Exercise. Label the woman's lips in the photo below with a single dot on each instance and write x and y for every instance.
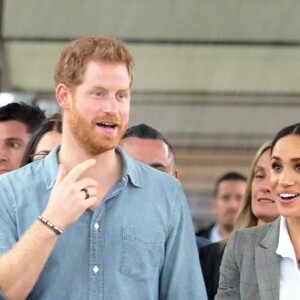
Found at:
(287, 197)
(265, 200)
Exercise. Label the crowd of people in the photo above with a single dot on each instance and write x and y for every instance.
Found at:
(91, 209)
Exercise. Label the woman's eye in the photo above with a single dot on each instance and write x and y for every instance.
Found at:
(259, 175)
(276, 166)
(298, 167)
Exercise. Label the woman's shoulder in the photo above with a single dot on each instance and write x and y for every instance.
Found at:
(254, 235)
(255, 229)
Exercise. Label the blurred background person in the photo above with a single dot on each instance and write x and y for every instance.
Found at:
(149, 146)
(43, 140)
(18, 121)
(228, 193)
(257, 207)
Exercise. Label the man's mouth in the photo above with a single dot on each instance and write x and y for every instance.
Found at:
(106, 125)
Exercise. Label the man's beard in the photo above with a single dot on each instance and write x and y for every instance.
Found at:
(89, 138)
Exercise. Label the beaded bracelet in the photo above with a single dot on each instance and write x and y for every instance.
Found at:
(50, 225)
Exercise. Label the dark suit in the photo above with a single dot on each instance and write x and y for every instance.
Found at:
(201, 242)
(210, 258)
(205, 232)
(250, 267)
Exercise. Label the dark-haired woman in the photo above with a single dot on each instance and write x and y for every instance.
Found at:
(43, 140)
(263, 262)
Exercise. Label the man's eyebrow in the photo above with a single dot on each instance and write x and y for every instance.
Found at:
(14, 139)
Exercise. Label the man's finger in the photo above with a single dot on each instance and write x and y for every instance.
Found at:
(62, 172)
(78, 170)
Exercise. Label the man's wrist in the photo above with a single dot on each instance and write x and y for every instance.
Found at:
(50, 225)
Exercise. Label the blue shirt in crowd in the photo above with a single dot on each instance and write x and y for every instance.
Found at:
(138, 245)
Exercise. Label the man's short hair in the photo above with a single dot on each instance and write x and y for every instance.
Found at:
(226, 177)
(144, 131)
(72, 62)
(31, 116)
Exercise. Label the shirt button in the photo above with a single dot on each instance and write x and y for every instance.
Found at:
(96, 269)
(96, 226)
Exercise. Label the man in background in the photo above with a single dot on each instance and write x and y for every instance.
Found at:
(149, 146)
(18, 121)
(228, 193)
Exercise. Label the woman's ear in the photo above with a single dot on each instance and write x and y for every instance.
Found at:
(63, 96)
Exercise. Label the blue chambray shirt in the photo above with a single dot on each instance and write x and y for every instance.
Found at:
(139, 243)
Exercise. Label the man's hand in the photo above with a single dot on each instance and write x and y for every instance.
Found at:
(67, 200)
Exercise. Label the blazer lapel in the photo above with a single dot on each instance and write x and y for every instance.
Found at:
(267, 264)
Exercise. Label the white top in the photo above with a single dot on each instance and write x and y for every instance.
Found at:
(214, 235)
(289, 272)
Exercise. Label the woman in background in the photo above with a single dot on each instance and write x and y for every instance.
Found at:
(263, 262)
(43, 140)
(257, 207)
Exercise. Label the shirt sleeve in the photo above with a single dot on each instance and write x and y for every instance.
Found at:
(181, 276)
(8, 231)
(229, 284)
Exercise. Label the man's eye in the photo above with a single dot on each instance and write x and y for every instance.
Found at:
(98, 94)
(122, 96)
(226, 198)
(15, 145)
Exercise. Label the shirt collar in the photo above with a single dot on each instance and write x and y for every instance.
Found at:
(215, 234)
(130, 170)
(50, 165)
(285, 247)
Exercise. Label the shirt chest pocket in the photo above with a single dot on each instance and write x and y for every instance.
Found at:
(142, 249)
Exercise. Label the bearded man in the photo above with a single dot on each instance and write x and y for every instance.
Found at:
(88, 221)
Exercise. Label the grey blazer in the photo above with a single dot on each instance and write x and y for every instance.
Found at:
(250, 267)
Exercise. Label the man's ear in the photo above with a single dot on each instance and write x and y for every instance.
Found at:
(63, 96)
(176, 174)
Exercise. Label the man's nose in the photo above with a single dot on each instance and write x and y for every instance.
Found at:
(3, 153)
(110, 105)
(235, 203)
